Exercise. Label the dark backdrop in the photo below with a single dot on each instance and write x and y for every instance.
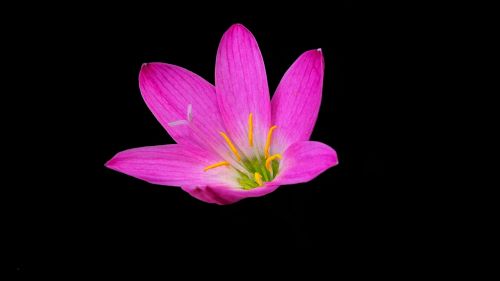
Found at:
(71, 210)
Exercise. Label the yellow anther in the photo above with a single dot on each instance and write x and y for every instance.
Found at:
(270, 159)
(218, 164)
(250, 130)
(268, 141)
(231, 145)
(258, 179)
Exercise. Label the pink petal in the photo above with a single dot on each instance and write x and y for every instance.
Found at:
(296, 103)
(184, 103)
(222, 195)
(305, 160)
(241, 84)
(174, 165)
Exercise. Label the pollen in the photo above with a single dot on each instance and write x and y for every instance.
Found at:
(218, 164)
(258, 178)
(231, 146)
(270, 159)
(268, 141)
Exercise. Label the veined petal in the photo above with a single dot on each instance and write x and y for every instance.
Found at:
(184, 103)
(223, 195)
(296, 103)
(241, 85)
(173, 164)
(305, 160)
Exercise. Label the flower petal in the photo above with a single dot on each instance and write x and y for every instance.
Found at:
(241, 84)
(173, 164)
(305, 160)
(223, 195)
(296, 103)
(184, 103)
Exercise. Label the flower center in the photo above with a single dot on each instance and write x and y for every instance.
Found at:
(257, 169)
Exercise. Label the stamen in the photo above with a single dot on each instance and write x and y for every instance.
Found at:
(258, 179)
(268, 141)
(218, 164)
(231, 146)
(250, 130)
(270, 159)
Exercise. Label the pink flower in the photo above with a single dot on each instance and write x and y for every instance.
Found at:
(233, 142)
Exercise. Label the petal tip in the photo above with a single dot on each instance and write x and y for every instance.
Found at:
(148, 65)
(109, 164)
(113, 163)
(238, 28)
(335, 162)
(149, 69)
(316, 52)
(334, 158)
(237, 25)
(315, 55)
(144, 67)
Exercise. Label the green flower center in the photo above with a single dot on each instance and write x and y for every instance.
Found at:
(257, 165)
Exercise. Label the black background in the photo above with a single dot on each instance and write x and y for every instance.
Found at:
(72, 212)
